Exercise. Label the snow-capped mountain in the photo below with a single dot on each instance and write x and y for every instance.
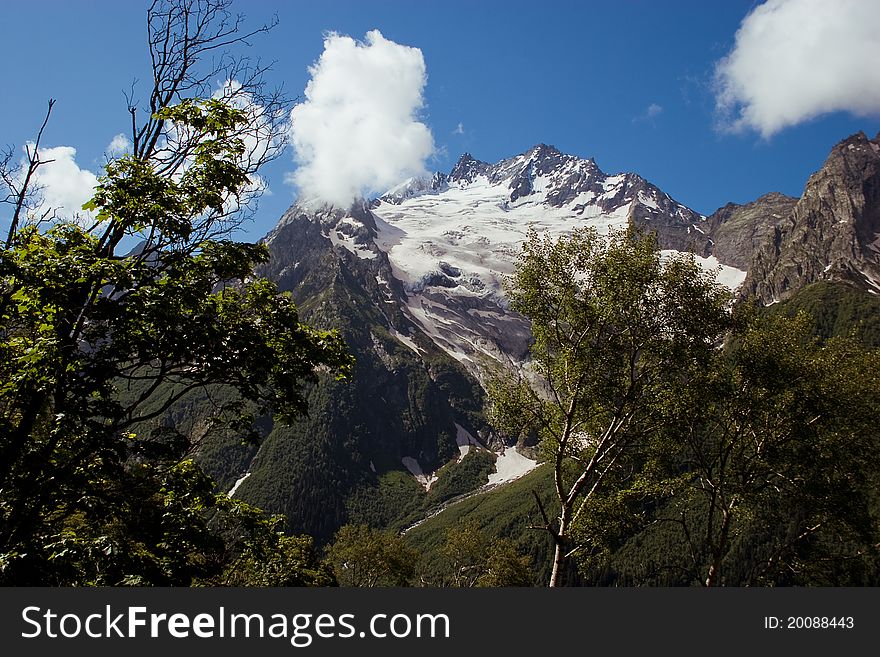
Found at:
(449, 240)
(414, 282)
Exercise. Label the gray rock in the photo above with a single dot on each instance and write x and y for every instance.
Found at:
(832, 232)
(738, 231)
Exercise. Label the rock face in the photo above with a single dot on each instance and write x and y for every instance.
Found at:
(832, 232)
(738, 231)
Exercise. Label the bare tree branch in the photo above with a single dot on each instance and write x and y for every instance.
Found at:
(19, 192)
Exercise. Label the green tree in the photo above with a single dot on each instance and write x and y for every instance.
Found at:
(95, 346)
(781, 442)
(475, 560)
(617, 330)
(265, 556)
(362, 556)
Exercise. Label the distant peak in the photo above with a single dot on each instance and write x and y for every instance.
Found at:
(856, 148)
(317, 205)
(545, 149)
(467, 168)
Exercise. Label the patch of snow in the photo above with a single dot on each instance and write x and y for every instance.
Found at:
(647, 201)
(416, 471)
(341, 239)
(238, 483)
(464, 440)
(729, 277)
(510, 465)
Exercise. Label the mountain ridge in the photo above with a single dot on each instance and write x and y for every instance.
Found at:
(833, 231)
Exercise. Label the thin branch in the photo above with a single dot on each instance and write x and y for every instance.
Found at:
(33, 164)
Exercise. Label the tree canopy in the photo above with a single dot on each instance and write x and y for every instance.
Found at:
(691, 441)
(96, 345)
(616, 329)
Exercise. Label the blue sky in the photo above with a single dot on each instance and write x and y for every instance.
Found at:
(631, 84)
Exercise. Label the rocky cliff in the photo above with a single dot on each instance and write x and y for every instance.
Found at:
(831, 234)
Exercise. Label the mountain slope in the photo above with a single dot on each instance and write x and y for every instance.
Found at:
(832, 233)
(408, 406)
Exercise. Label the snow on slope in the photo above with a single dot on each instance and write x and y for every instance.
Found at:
(473, 228)
(728, 276)
(511, 465)
(452, 239)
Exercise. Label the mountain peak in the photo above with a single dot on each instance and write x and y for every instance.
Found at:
(832, 231)
(542, 149)
(467, 169)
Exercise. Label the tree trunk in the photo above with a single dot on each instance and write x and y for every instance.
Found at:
(713, 577)
(560, 544)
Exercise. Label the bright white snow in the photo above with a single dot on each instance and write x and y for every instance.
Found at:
(510, 465)
(475, 229)
(729, 277)
(238, 483)
(416, 471)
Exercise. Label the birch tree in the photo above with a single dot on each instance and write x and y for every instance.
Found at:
(616, 331)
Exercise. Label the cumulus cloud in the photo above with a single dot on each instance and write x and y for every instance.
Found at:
(794, 60)
(119, 145)
(358, 131)
(63, 185)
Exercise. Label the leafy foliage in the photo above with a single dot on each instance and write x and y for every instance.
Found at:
(475, 560)
(507, 513)
(94, 346)
(782, 447)
(362, 556)
(616, 333)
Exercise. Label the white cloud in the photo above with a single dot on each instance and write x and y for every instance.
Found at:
(64, 186)
(794, 60)
(459, 129)
(119, 145)
(357, 131)
(653, 110)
